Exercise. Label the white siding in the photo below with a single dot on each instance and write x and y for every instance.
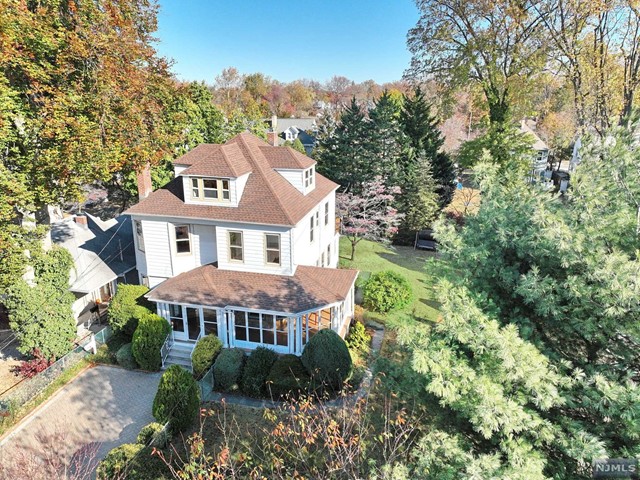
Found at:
(253, 238)
(178, 169)
(157, 250)
(308, 253)
(240, 183)
(294, 177)
(207, 251)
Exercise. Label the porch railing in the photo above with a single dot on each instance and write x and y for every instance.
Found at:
(166, 347)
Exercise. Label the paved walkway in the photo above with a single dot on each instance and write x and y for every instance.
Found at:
(103, 404)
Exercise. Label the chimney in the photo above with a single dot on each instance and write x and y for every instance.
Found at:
(144, 182)
(272, 138)
(82, 221)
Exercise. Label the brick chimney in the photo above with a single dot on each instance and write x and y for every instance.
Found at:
(82, 221)
(144, 182)
(272, 138)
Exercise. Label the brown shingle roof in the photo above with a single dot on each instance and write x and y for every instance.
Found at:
(267, 198)
(310, 287)
(286, 157)
(217, 161)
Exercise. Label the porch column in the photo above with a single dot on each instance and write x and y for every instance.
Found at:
(230, 323)
(221, 320)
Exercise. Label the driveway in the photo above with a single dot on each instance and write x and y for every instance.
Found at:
(103, 404)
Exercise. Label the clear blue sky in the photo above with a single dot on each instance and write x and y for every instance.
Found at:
(287, 40)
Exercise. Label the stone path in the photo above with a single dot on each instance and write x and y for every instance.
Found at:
(103, 404)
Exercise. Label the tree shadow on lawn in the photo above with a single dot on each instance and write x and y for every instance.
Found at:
(407, 258)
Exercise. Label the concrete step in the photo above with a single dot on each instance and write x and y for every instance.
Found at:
(180, 353)
(177, 361)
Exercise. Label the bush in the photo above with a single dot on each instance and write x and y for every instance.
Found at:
(287, 377)
(257, 370)
(227, 369)
(327, 359)
(117, 461)
(153, 435)
(148, 340)
(127, 306)
(124, 357)
(386, 291)
(177, 400)
(204, 354)
(358, 339)
(31, 368)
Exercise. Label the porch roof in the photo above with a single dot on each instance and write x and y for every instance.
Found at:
(310, 287)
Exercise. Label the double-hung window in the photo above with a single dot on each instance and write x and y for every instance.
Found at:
(236, 253)
(183, 240)
(139, 236)
(272, 247)
(312, 224)
(326, 213)
(308, 177)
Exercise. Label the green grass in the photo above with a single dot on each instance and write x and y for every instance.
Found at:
(374, 257)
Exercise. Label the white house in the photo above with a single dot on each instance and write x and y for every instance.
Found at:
(540, 150)
(243, 244)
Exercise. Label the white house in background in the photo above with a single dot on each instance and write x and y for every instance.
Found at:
(104, 256)
(541, 150)
(243, 244)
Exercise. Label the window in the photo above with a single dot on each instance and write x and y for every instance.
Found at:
(210, 318)
(312, 224)
(175, 317)
(328, 254)
(326, 213)
(139, 236)
(308, 178)
(235, 247)
(322, 259)
(210, 189)
(183, 241)
(272, 246)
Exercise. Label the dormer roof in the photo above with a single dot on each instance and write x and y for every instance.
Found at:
(268, 198)
(214, 160)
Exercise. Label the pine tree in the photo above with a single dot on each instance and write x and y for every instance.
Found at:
(421, 129)
(385, 139)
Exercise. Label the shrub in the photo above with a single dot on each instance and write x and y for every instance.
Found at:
(287, 377)
(153, 435)
(126, 308)
(204, 354)
(327, 359)
(227, 369)
(358, 339)
(386, 291)
(118, 461)
(177, 400)
(124, 357)
(148, 340)
(30, 368)
(257, 370)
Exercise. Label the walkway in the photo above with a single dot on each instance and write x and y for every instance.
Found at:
(103, 404)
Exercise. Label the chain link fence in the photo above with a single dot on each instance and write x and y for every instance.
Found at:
(29, 388)
(206, 385)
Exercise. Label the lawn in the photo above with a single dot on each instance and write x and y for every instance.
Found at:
(374, 257)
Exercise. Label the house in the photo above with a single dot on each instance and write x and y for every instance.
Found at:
(540, 150)
(104, 256)
(243, 244)
(290, 129)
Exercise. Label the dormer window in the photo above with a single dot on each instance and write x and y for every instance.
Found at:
(210, 190)
(308, 177)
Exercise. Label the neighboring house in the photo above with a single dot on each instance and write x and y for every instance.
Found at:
(243, 244)
(289, 129)
(104, 256)
(541, 150)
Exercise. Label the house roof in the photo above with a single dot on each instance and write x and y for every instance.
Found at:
(306, 123)
(286, 157)
(538, 144)
(101, 253)
(215, 160)
(309, 288)
(268, 198)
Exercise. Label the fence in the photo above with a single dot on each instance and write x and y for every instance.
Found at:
(206, 385)
(27, 389)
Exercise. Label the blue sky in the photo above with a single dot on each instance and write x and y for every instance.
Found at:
(287, 40)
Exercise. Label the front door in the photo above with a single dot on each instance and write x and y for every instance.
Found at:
(193, 323)
(178, 321)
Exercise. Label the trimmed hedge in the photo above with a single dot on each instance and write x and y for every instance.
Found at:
(327, 359)
(386, 291)
(204, 354)
(227, 369)
(257, 370)
(153, 435)
(177, 400)
(148, 340)
(117, 461)
(126, 308)
(124, 357)
(287, 377)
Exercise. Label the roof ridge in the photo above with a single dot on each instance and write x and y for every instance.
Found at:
(226, 159)
(263, 172)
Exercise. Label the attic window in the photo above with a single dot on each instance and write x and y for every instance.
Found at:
(210, 189)
(308, 177)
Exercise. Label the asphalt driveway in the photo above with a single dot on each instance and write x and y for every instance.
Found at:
(103, 404)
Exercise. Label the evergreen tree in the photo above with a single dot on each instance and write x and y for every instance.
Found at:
(421, 129)
(385, 139)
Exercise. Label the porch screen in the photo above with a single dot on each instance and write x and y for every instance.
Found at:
(210, 318)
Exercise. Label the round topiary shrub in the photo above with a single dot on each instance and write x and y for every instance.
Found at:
(148, 340)
(153, 435)
(124, 357)
(204, 354)
(126, 308)
(287, 377)
(257, 370)
(227, 369)
(118, 461)
(327, 359)
(386, 291)
(177, 400)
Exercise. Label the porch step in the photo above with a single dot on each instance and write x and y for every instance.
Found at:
(180, 354)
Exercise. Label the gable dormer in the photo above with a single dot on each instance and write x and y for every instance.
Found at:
(298, 169)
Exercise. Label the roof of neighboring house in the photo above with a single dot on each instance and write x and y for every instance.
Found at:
(268, 198)
(306, 123)
(309, 288)
(538, 144)
(101, 253)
